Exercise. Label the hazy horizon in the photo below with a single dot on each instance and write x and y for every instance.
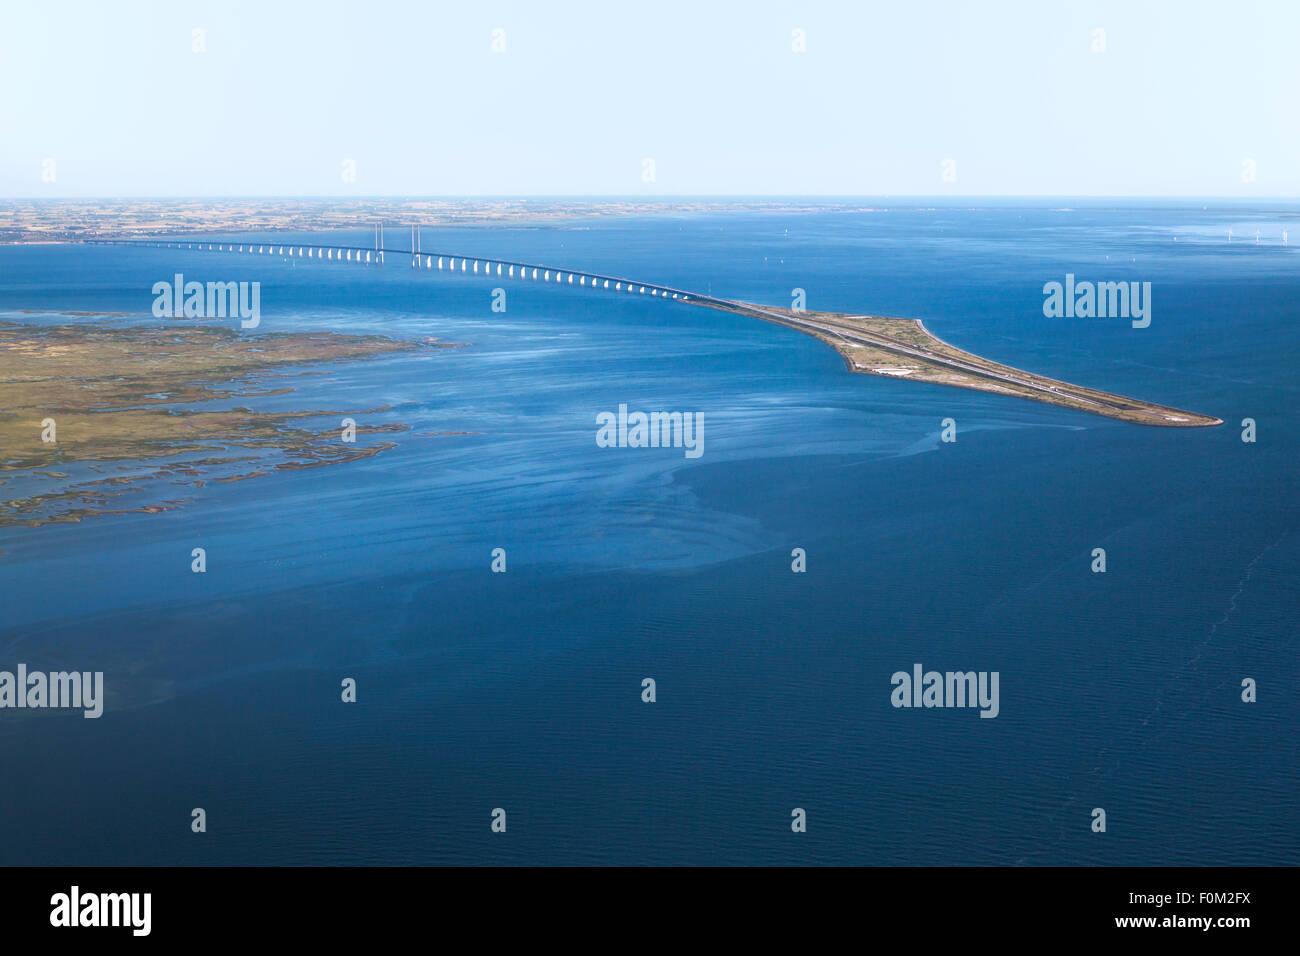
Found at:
(664, 198)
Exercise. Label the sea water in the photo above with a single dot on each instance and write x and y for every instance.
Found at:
(523, 690)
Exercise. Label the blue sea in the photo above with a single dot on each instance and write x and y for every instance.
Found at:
(523, 690)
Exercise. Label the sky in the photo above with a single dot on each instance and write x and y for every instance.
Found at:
(666, 98)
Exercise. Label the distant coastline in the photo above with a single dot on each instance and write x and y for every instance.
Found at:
(43, 221)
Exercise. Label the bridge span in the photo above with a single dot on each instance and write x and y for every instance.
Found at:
(431, 261)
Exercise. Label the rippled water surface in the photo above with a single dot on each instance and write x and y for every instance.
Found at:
(522, 690)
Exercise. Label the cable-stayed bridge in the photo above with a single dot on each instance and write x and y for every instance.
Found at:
(419, 259)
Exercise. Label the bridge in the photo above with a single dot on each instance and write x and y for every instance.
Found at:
(433, 261)
(872, 345)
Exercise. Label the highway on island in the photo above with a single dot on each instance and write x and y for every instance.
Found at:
(888, 345)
